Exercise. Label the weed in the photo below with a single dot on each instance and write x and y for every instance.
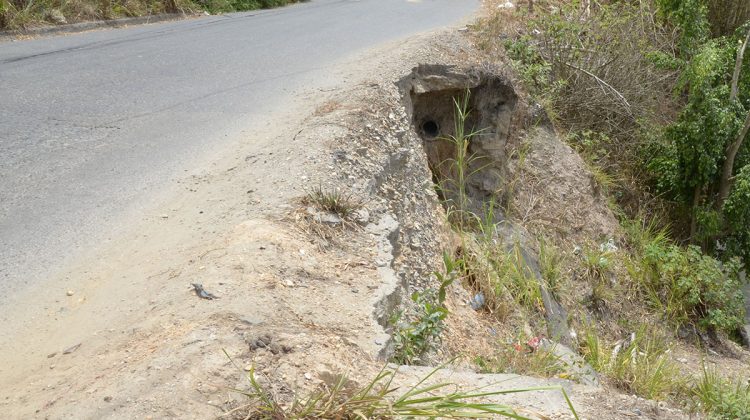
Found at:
(460, 168)
(378, 399)
(550, 263)
(501, 274)
(639, 364)
(413, 339)
(334, 201)
(597, 271)
(693, 288)
(523, 357)
(721, 398)
(643, 234)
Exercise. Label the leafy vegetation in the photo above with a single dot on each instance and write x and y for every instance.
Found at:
(21, 14)
(655, 96)
(414, 338)
(691, 287)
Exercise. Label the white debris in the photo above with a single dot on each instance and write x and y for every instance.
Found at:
(608, 246)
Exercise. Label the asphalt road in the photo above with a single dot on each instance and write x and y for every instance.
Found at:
(95, 123)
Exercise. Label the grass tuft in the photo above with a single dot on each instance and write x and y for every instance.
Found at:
(380, 399)
(640, 364)
(334, 201)
(721, 398)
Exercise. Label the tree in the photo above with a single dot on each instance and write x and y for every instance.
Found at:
(726, 16)
(734, 146)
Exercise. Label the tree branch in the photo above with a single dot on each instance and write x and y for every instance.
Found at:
(602, 82)
(737, 69)
(728, 167)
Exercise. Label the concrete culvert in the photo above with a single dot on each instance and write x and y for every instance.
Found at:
(430, 95)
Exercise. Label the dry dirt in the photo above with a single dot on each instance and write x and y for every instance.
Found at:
(122, 334)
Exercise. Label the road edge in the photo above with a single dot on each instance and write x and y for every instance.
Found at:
(73, 28)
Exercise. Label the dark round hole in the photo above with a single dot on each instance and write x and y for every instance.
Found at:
(430, 128)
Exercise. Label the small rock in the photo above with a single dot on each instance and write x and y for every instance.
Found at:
(328, 218)
(165, 216)
(289, 283)
(362, 216)
(477, 301)
(69, 293)
(260, 342)
(286, 348)
(274, 348)
(107, 398)
(308, 376)
(51, 355)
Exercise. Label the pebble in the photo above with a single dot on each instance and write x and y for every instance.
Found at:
(69, 293)
(308, 376)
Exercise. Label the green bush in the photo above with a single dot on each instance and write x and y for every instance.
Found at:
(693, 288)
(737, 213)
(413, 338)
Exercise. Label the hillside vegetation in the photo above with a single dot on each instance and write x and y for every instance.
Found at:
(21, 14)
(655, 97)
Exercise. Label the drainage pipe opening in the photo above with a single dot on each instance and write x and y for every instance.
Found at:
(431, 129)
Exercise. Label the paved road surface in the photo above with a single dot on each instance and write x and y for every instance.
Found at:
(95, 123)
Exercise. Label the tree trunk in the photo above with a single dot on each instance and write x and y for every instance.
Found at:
(727, 15)
(728, 167)
(693, 219)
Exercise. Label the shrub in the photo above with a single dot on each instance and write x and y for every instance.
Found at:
(737, 213)
(414, 338)
(694, 288)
